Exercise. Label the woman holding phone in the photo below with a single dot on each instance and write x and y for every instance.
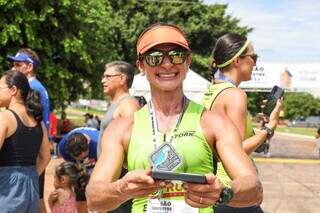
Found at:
(233, 62)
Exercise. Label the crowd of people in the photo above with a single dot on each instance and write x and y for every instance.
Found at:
(108, 164)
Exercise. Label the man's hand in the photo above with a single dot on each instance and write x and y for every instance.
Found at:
(203, 195)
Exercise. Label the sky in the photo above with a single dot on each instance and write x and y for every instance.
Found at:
(284, 30)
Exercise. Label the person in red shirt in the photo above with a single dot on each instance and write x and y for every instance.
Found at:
(53, 131)
(66, 124)
(53, 125)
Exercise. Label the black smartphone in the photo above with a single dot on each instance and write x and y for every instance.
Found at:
(186, 177)
(276, 93)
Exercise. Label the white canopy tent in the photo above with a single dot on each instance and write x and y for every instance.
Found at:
(194, 86)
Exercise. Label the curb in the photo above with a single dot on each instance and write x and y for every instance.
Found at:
(286, 160)
(290, 134)
(294, 135)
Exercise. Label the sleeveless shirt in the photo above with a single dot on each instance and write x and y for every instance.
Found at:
(108, 117)
(207, 101)
(22, 147)
(188, 141)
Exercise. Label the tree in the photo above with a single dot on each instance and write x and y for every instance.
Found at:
(255, 100)
(203, 24)
(300, 104)
(69, 36)
(74, 39)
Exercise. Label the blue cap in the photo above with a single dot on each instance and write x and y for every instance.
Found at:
(23, 58)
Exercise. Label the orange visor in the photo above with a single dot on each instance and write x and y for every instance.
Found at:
(161, 35)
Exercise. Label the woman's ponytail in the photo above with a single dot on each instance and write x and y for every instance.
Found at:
(33, 105)
(213, 69)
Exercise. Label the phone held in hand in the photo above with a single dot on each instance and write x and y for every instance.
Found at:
(185, 177)
(276, 93)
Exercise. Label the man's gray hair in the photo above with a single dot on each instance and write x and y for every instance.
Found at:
(123, 68)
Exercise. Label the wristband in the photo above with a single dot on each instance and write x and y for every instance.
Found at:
(225, 196)
(270, 132)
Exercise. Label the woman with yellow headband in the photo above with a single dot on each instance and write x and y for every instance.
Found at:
(233, 62)
(170, 133)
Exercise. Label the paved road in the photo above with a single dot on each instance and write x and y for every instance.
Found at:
(290, 146)
(290, 176)
(290, 187)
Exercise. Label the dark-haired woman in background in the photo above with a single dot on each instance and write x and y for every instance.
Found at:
(233, 62)
(24, 145)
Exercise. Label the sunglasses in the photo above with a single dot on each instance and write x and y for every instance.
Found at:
(254, 57)
(155, 57)
(106, 76)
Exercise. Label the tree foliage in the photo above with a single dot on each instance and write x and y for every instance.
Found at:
(295, 104)
(74, 39)
(300, 104)
(255, 100)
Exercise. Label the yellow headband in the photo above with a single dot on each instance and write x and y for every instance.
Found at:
(235, 56)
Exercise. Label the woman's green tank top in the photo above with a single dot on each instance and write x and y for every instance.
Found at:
(207, 101)
(188, 141)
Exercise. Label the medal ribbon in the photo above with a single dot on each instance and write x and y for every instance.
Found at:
(154, 123)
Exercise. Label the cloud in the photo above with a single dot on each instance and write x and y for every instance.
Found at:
(283, 30)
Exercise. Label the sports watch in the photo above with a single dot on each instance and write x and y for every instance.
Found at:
(225, 196)
(270, 132)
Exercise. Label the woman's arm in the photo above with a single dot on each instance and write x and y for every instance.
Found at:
(3, 128)
(253, 142)
(233, 102)
(224, 138)
(44, 152)
(104, 191)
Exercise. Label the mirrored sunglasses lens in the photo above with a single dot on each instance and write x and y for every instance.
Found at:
(154, 58)
(177, 56)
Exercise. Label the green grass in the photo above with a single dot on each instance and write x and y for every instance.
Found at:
(298, 130)
(76, 115)
(77, 119)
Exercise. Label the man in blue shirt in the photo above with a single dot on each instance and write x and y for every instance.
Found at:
(27, 61)
(80, 146)
(73, 151)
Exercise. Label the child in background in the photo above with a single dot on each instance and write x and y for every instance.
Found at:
(62, 199)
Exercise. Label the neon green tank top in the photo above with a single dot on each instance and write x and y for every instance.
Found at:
(207, 101)
(188, 141)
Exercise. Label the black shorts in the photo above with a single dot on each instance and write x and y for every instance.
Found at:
(41, 184)
(123, 208)
(80, 194)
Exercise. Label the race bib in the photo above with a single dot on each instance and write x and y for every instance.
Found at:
(169, 206)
